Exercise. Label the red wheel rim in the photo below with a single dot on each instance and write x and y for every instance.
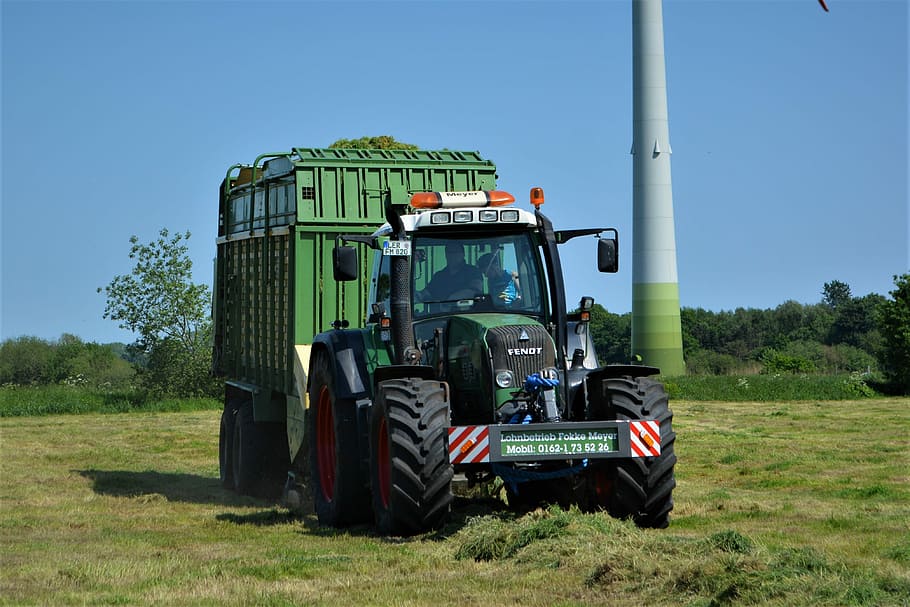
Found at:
(325, 444)
(384, 464)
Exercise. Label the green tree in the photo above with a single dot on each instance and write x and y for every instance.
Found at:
(893, 317)
(26, 360)
(612, 335)
(172, 369)
(159, 301)
(382, 142)
(30, 360)
(90, 364)
(854, 323)
(836, 293)
(782, 362)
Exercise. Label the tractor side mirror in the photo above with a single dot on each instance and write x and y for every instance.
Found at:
(607, 255)
(344, 264)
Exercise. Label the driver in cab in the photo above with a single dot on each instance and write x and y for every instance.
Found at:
(457, 280)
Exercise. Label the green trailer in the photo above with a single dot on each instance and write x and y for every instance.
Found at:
(278, 220)
(386, 320)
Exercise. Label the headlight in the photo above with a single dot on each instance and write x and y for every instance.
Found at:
(504, 379)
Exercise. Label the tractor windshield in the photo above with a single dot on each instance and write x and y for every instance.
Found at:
(475, 274)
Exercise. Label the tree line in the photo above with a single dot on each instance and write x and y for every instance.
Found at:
(841, 333)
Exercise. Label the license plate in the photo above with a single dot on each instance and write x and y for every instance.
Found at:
(400, 248)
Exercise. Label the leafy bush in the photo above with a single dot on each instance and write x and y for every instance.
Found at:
(844, 357)
(174, 370)
(708, 362)
(856, 384)
(32, 361)
(774, 361)
(26, 361)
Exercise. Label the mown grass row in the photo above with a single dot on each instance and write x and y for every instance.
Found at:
(722, 567)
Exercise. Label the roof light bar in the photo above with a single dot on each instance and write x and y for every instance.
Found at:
(446, 200)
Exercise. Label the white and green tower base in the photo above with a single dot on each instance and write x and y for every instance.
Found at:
(656, 329)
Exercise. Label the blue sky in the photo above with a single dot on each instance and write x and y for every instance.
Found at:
(788, 125)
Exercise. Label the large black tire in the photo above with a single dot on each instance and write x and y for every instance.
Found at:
(246, 452)
(410, 473)
(636, 488)
(226, 445)
(277, 459)
(253, 457)
(340, 490)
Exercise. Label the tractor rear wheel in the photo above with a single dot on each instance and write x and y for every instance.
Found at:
(340, 493)
(638, 488)
(410, 473)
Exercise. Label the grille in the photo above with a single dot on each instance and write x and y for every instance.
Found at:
(502, 339)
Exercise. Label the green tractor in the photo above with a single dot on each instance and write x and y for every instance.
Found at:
(471, 363)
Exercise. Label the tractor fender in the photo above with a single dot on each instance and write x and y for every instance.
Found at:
(402, 371)
(346, 348)
(595, 378)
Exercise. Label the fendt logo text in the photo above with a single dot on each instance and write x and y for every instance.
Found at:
(524, 351)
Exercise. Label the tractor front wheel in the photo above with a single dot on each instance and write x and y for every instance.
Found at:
(639, 488)
(410, 474)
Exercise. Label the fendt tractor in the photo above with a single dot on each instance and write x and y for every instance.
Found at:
(387, 320)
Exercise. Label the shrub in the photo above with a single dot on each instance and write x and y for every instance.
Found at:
(175, 371)
(26, 361)
(774, 361)
(843, 357)
(708, 362)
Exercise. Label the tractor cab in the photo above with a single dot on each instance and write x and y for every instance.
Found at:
(486, 306)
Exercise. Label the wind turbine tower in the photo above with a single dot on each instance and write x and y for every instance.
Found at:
(656, 328)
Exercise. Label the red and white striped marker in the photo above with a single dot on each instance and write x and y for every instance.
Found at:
(469, 444)
(645, 438)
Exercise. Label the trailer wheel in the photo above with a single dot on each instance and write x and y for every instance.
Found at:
(636, 488)
(410, 473)
(276, 458)
(246, 451)
(226, 445)
(340, 494)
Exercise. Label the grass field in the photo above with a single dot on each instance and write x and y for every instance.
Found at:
(797, 503)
